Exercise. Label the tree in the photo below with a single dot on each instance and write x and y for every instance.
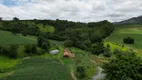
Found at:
(0, 18)
(15, 19)
(40, 41)
(96, 37)
(128, 40)
(107, 52)
(43, 43)
(28, 49)
(68, 43)
(80, 71)
(13, 51)
(124, 67)
(34, 49)
(98, 48)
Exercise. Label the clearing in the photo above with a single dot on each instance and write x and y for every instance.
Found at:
(40, 69)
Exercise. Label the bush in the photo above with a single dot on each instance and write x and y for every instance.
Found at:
(30, 49)
(9, 50)
(117, 51)
(68, 43)
(13, 51)
(98, 48)
(96, 38)
(124, 67)
(80, 71)
(128, 40)
(43, 43)
(107, 52)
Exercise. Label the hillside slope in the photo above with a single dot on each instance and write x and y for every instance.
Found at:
(123, 31)
(9, 38)
(134, 20)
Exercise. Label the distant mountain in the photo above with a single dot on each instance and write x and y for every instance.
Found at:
(134, 20)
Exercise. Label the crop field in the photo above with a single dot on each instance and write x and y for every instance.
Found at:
(9, 38)
(40, 69)
(122, 31)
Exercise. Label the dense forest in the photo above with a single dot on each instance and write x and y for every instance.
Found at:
(75, 34)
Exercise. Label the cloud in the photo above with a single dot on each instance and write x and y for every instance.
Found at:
(74, 10)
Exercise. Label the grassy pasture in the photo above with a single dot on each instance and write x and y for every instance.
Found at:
(40, 69)
(123, 31)
(7, 64)
(9, 38)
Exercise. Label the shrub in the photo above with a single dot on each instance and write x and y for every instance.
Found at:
(128, 40)
(117, 51)
(13, 51)
(80, 71)
(9, 50)
(43, 43)
(124, 67)
(98, 48)
(68, 43)
(107, 52)
(30, 49)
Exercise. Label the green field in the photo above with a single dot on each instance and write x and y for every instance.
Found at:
(123, 31)
(9, 38)
(40, 69)
(7, 64)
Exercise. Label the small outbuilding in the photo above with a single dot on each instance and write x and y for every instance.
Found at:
(68, 53)
(54, 52)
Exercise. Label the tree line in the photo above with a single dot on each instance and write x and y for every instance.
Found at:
(86, 36)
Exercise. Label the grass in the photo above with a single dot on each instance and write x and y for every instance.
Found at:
(40, 69)
(123, 31)
(7, 64)
(9, 38)
(114, 46)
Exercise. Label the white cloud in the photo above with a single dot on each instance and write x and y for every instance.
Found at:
(75, 10)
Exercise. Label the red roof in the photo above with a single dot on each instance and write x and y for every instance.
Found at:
(66, 53)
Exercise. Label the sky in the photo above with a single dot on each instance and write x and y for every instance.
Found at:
(72, 10)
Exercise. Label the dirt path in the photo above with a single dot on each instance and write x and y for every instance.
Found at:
(99, 75)
(73, 75)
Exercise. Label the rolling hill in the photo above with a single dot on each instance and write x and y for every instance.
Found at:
(122, 31)
(134, 20)
(9, 38)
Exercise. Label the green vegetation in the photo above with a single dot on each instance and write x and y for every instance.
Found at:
(126, 66)
(88, 45)
(46, 28)
(6, 64)
(115, 46)
(84, 59)
(123, 31)
(128, 40)
(9, 38)
(40, 69)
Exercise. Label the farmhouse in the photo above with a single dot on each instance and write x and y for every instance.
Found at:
(68, 53)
